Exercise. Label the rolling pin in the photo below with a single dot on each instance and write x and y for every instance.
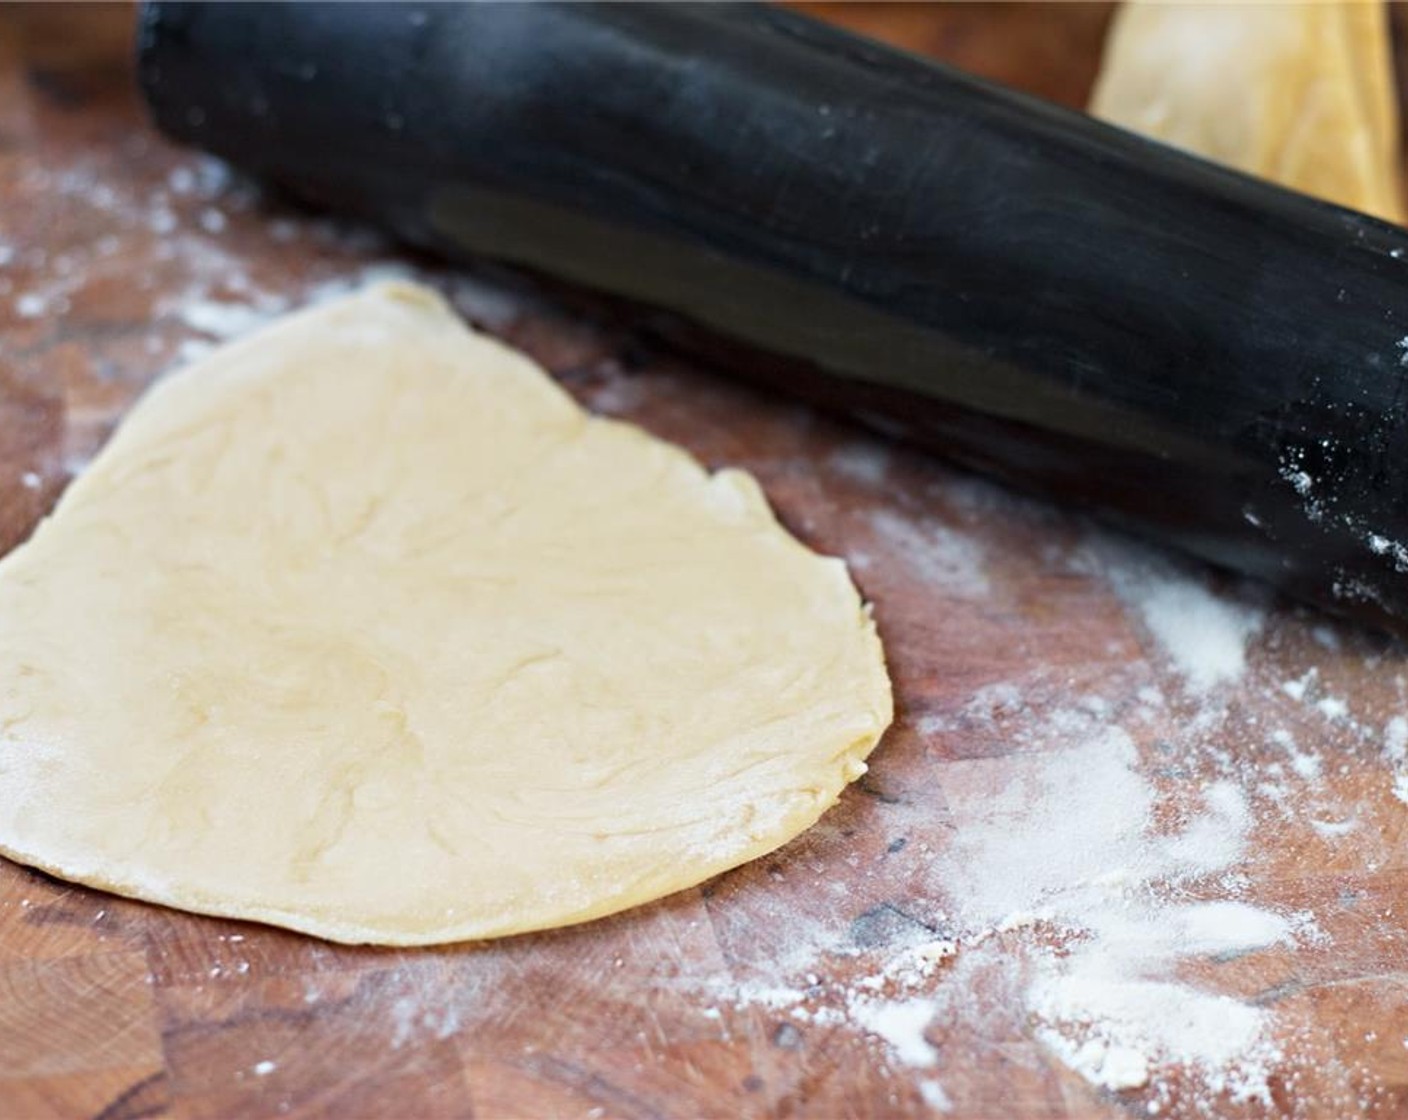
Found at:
(1197, 356)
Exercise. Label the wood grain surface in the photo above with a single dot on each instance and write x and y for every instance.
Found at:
(1045, 693)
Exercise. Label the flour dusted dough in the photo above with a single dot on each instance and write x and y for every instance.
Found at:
(362, 627)
(1298, 93)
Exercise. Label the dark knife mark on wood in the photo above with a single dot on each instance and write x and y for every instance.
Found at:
(887, 923)
(147, 1097)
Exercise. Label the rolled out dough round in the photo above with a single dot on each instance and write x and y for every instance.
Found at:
(362, 627)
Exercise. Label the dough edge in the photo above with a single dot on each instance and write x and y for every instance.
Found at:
(847, 765)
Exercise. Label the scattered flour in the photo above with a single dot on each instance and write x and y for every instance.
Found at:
(933, 1094)
(1070, 836)
(948, 560)
(1304, 763)
(194, 348)
(1202, 634)
(901, 1024)
(1332, 707)
(206, 285)
(1067, 878)
(413, 1013)
(1396, 739)
(1297, 688)
(1395, 752)
(865, 462)
(617, 395)
(222, 319)
(1102, 1063)
(1331, 829)
(31, 305)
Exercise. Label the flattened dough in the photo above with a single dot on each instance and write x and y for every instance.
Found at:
(362, 627)
(1298, 93)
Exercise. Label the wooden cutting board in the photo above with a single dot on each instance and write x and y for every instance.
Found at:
(1136, 844)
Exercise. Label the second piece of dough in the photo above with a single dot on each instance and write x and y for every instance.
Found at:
(1301, 94)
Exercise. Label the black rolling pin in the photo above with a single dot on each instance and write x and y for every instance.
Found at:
(1199, 356)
